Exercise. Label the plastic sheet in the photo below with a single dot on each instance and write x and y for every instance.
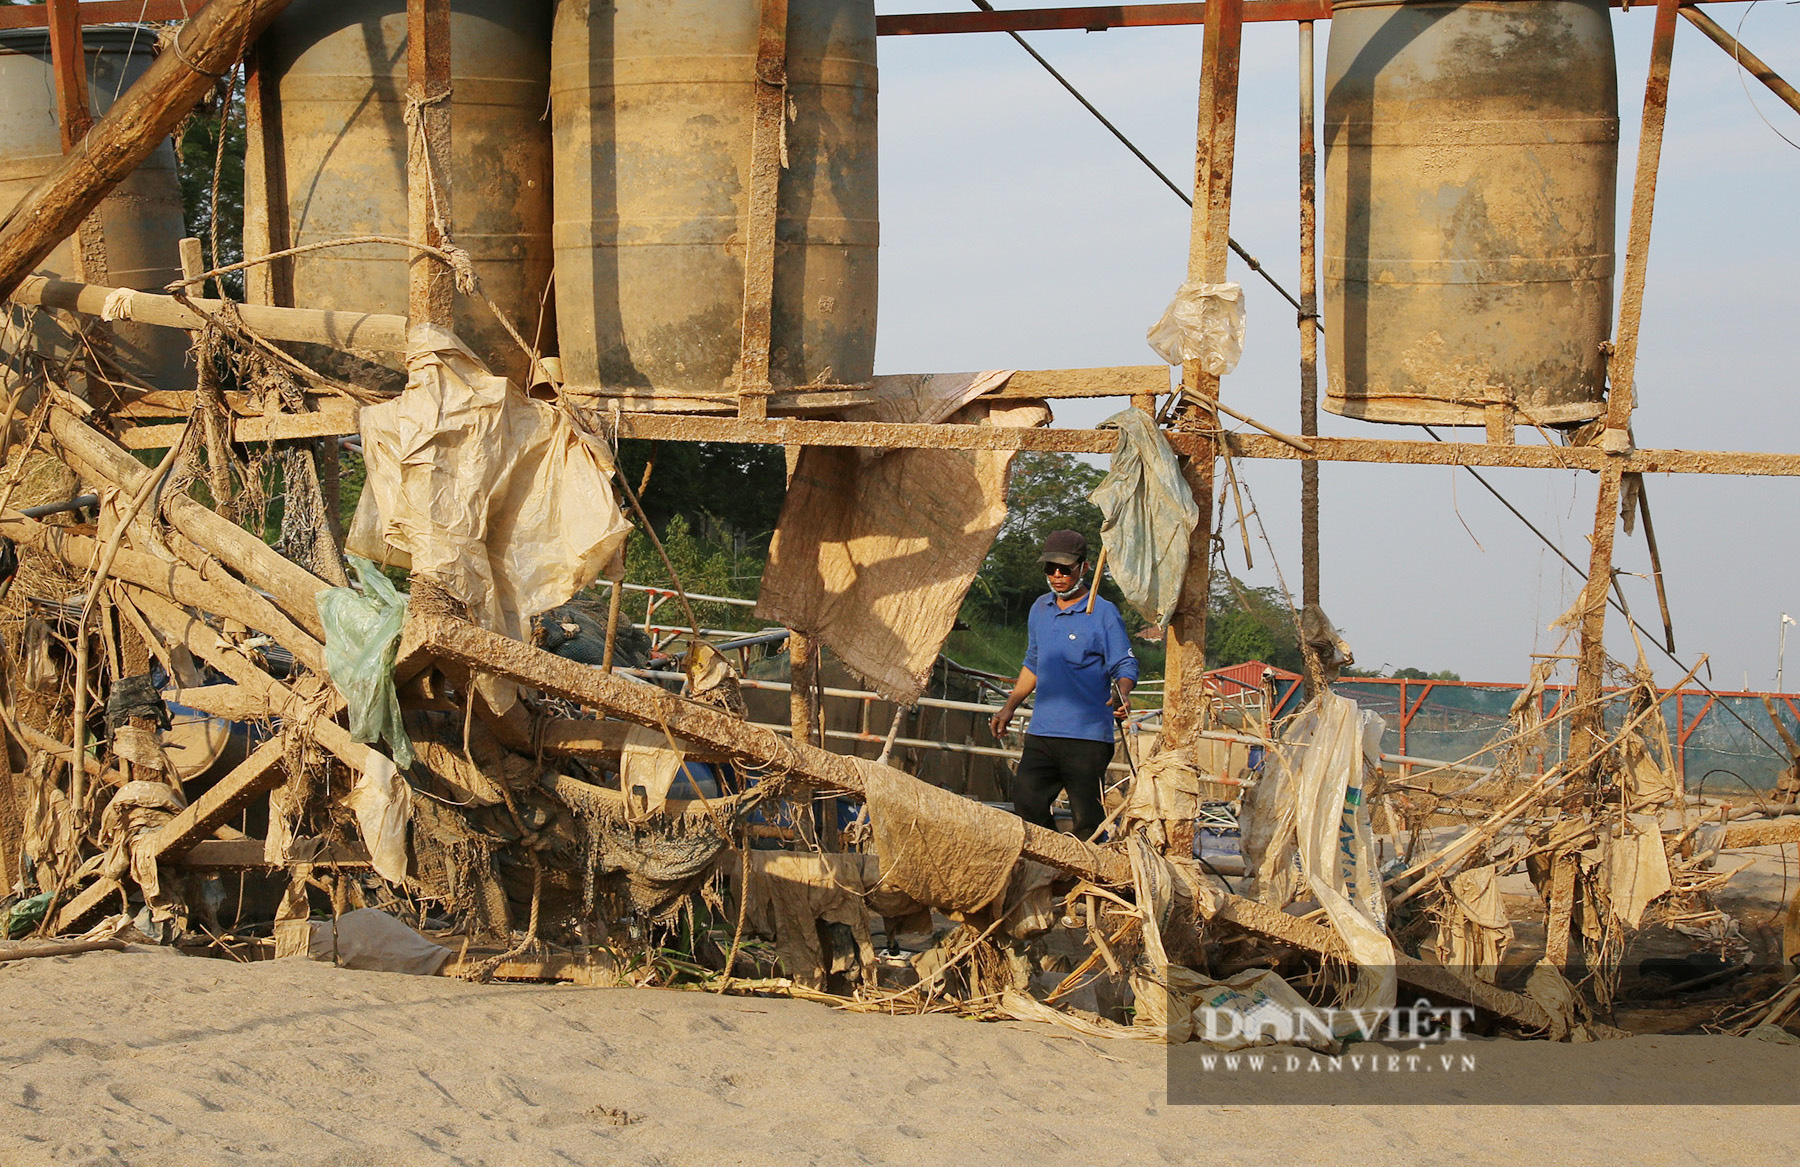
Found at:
(496, 497)
(1307, 831)
(362, 634)
(370, 939)
(1149, 516)
(1205, 323)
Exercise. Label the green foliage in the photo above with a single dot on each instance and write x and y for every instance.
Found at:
(1049, 491)
(704, 566)
(1411, 674)
(197, 152)
(730, 493)
(1245, 624)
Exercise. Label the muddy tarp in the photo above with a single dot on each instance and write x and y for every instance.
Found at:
(496, 497)
(875, 549)
(963, 869)
(1148, 516)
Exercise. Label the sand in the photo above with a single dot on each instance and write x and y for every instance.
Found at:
(147, 1057)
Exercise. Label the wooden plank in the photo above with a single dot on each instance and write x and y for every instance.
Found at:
(333, 418)
(294, 589)
(220, 594)
(1771, 834)
(1119, 381)
(465, 644)
(248, 855)
(256, 775)
(203, 49)
(68, 68)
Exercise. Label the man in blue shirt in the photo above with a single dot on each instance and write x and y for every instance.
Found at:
(1079, 664)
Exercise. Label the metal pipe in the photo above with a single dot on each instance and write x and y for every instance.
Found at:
(1743, 56)
(670, 593)
(1309, 320)
(79, 502)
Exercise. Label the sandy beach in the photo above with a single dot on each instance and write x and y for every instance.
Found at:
(149, 1058)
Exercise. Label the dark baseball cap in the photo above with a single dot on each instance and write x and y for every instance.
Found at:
(1064, 547)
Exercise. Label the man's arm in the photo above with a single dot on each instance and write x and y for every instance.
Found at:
(1121, 664)
(1022, 688)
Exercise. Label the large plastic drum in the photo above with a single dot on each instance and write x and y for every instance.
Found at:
(336, 128)
(1471, 159)
(140, 220)
(652, 105)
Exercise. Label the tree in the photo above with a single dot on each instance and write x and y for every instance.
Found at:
(1411, 674)
(1246, 623)
(1048, 491)
(197, 155)
(727, 493)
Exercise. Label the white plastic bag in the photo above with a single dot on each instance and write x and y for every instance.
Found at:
(1205, 323)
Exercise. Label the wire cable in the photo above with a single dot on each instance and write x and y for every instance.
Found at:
(1616, 603)
(1250, 260)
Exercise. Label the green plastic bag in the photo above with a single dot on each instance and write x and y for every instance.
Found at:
(23, 916)
(362, 634)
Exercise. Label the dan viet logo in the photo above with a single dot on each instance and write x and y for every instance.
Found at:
(1325, 1031)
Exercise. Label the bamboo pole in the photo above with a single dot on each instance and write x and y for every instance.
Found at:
(203, 49)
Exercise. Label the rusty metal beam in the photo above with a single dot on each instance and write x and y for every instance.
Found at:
(1309, 320)
(431, 286)
(761, 206)
(889, 435)
(1588, 458)
(1743, 56)
(1099, 18)
(103, 12)
(1588, 731)
(1090, 18)
(68, 65)
(1209, 243)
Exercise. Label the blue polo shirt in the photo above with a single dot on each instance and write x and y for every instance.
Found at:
(1076, 655)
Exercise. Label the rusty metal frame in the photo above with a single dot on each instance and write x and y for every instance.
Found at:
(431, 284)
(1588, 730)
(762, 207)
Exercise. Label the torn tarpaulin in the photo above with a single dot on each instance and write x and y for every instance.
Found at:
(1148, 516)
(362, 634)
(875, 549)
(498, 498)
(963, 869)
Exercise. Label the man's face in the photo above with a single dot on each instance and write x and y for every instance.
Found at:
(1064, 579)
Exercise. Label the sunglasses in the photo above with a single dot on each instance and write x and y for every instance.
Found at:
(1062, 569)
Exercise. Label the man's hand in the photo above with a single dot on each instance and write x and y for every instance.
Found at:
(1121, 699)
(1000, 720)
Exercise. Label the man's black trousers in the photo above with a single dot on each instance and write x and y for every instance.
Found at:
(1050, 764)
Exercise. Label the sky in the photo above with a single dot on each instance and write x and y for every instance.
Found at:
(1017, 233)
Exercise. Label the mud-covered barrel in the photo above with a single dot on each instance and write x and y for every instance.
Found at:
(1471, 158)
(652, 104)
(334, 108)
(140, 223)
